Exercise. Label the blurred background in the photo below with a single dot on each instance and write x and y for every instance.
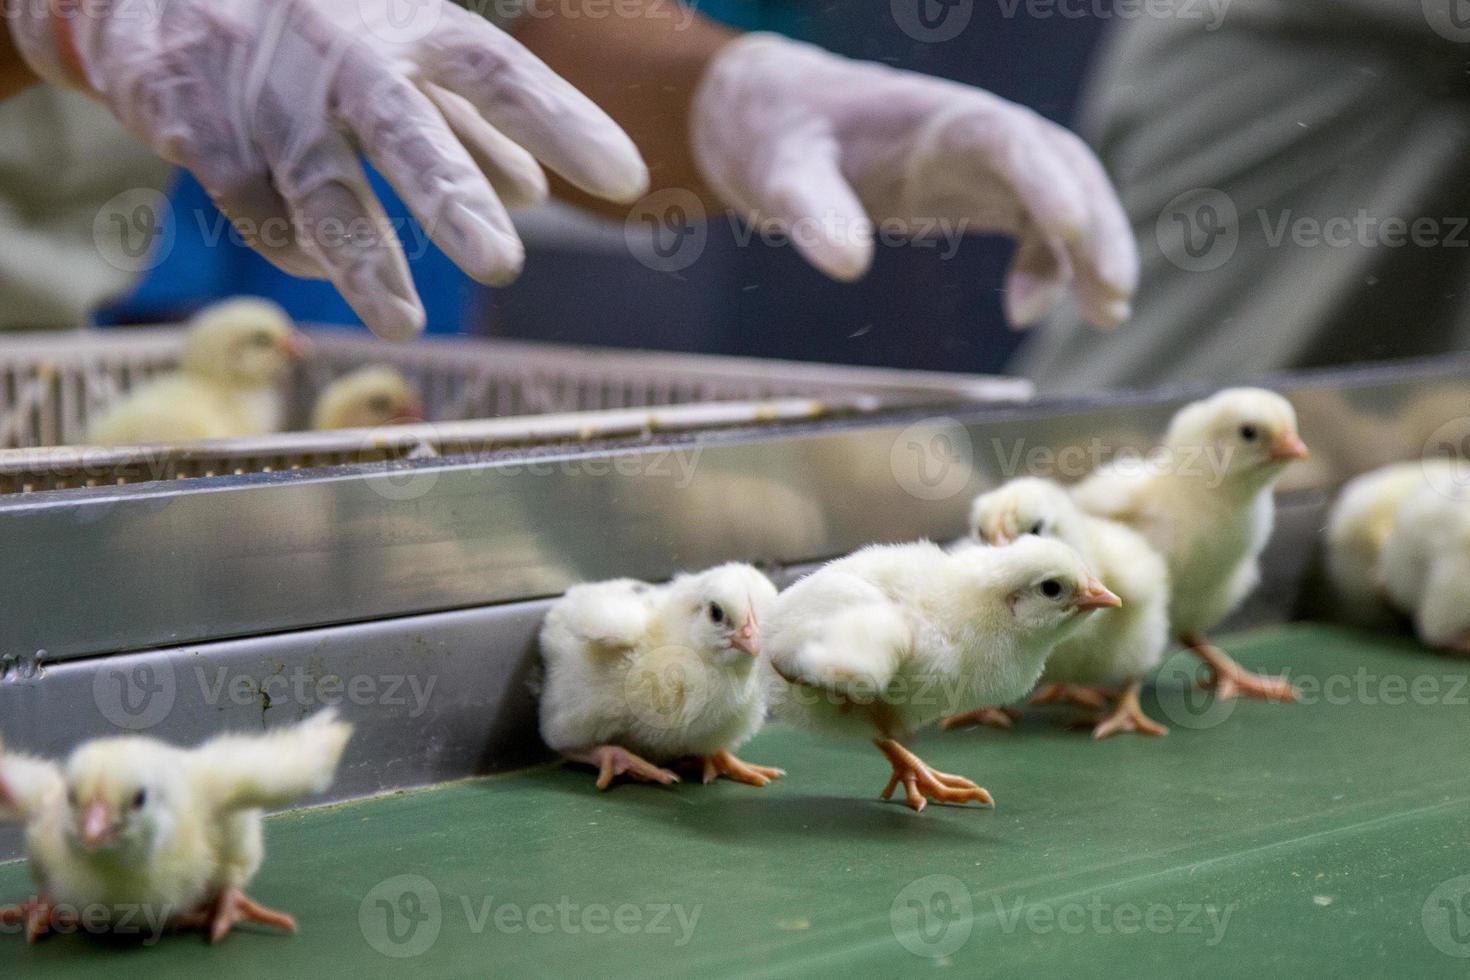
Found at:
(582, 284)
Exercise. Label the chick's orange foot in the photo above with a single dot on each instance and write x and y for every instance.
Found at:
(1229, 679)
(612, 761)
(989, 717)
(1128, 716)
(1078, 694)
(921, 783)
(231, 908)
(39, 915)
(724, 763)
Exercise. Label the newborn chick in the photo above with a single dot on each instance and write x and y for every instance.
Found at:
(1205, 504)
(638, 676)
(1112, 649)
(133, 823)
(234, 358)
(895, 636)
(1358, 528)
(367, 398)
(1426, 566)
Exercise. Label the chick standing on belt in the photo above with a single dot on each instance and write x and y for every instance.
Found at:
(895, 636)
(132, 823)
(367, 398)
(1115, 647)
(1358, 528)
(638, 676)
(1206, 505)
(234, 358)
(1425, 567)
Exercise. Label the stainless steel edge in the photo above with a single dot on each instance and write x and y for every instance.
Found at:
(93, 572)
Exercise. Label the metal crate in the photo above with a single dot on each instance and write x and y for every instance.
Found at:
(479, 395)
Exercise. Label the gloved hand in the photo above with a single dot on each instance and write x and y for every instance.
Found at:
(823, 146)
(268, 102)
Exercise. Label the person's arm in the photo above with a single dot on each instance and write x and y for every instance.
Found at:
(15, 74)
(641, 70)
(831, 150)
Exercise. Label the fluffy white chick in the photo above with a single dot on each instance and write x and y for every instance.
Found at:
(1425, 567)
(895, 636)
(1204, 501)
(132, 823)
(639, 676)
(1358, 528)
(1113, 649)
(235, 356)
(367, 398)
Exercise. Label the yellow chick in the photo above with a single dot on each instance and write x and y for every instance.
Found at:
(892, 637)
(235, 356)
(1425, 566)
(367, 398)
(1358, 528)
(1113, 648)
(639, 675)
(1205, 503)
(132, 823)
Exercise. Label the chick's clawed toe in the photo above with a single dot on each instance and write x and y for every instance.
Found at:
(922, 783)
(1078, 694)
(612, 761)
(39, 915)
(229, 910)
(1229, 679)
(1128, 716)
(724, 763)
(989, 717)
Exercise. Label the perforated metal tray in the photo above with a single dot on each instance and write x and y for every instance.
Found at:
(479, 394)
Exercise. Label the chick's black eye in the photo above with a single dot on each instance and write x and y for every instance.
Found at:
(1051, 588)
(262, 340)
(716, 612)
(1248, 433)
(380, 403)
(1037, 528)
(140, 798)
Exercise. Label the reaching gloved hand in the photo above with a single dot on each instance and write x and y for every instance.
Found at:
(823, 147)
(268, 102)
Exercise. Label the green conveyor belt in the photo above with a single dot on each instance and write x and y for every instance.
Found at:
(1315, 839)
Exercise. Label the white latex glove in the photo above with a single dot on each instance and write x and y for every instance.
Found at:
(824, 146)
(268, 102)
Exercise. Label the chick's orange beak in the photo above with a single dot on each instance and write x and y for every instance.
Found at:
(295, 345)
(748, 638)
(1000, 539)
(97, 826)
(1288, 447)
(1097, 596)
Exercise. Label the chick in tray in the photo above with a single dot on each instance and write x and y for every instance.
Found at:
(367, 398)
(1425, 567)
(133, 826)
(235, 356)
